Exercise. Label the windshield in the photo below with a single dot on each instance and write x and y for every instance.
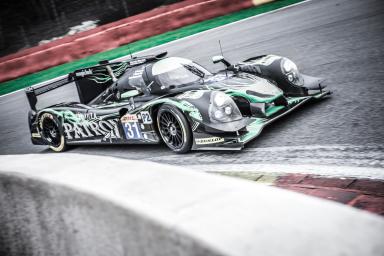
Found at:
(176, 71)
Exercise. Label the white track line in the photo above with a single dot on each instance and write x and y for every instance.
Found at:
(342, 161)
(321, 170)
(174, 41)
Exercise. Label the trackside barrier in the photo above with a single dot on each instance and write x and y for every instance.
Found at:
(73, 204)
(115, 34)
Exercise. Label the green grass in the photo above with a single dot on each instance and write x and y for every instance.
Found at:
(28, 80)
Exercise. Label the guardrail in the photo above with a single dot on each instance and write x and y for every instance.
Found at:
(93, 205)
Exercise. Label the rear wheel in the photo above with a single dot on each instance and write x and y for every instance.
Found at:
(174, 129)
(50, 132)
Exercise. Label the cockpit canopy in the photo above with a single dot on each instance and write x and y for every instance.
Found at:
(173, 72)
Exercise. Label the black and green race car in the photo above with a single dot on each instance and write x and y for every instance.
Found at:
(155, 99)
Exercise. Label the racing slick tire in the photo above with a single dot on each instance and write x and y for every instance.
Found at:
(174, 129)
(50, 132)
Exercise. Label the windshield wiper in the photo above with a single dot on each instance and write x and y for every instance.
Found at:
(194, 70)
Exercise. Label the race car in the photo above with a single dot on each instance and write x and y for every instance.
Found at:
(172, 100)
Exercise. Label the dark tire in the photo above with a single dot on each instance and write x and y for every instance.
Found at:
(50, 132)
(174, 129)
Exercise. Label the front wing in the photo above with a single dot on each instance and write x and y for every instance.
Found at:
(237, 141)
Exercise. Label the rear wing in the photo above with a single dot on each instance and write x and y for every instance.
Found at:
(87, 87)
(34, 91)
(91, 81)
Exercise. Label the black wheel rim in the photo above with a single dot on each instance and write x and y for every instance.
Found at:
(171, 130)
(51, 132)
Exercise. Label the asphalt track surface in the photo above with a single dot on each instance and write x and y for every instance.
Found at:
(341, 40)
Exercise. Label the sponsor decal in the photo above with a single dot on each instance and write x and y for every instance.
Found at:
(194, 95)
(137, 74)
(131, 126)
(132, 131)
(136, 62)
(84, 72)
(87, 116)
(187, 104)
(146, 117)
(106, 128)
(267, 60)
(211, 140)
(195, 113)
(36, 135)
(129, 118)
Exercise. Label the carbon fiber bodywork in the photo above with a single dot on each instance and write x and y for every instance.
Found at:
(103, 118)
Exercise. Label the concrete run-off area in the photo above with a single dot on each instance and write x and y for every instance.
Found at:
(72, 204)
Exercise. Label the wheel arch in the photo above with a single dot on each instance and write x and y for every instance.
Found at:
(55, 114)
(184, 122)
(155, 106)
(58, 120)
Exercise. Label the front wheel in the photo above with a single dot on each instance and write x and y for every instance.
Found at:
(174, 129)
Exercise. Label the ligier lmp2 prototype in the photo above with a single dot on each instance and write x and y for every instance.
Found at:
(154, 99)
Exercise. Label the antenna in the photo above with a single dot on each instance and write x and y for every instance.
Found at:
(130, 52)
(221, 49)
(222, 54)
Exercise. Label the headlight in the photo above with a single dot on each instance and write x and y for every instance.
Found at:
(220, 99)
(291, 72)
(289, 66)
(223, 109)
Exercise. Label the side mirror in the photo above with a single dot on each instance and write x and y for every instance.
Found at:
(219, 58)
(161, 55)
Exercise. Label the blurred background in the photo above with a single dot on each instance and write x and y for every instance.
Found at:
(27, 23)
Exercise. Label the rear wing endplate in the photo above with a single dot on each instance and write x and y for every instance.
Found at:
(34, 91)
